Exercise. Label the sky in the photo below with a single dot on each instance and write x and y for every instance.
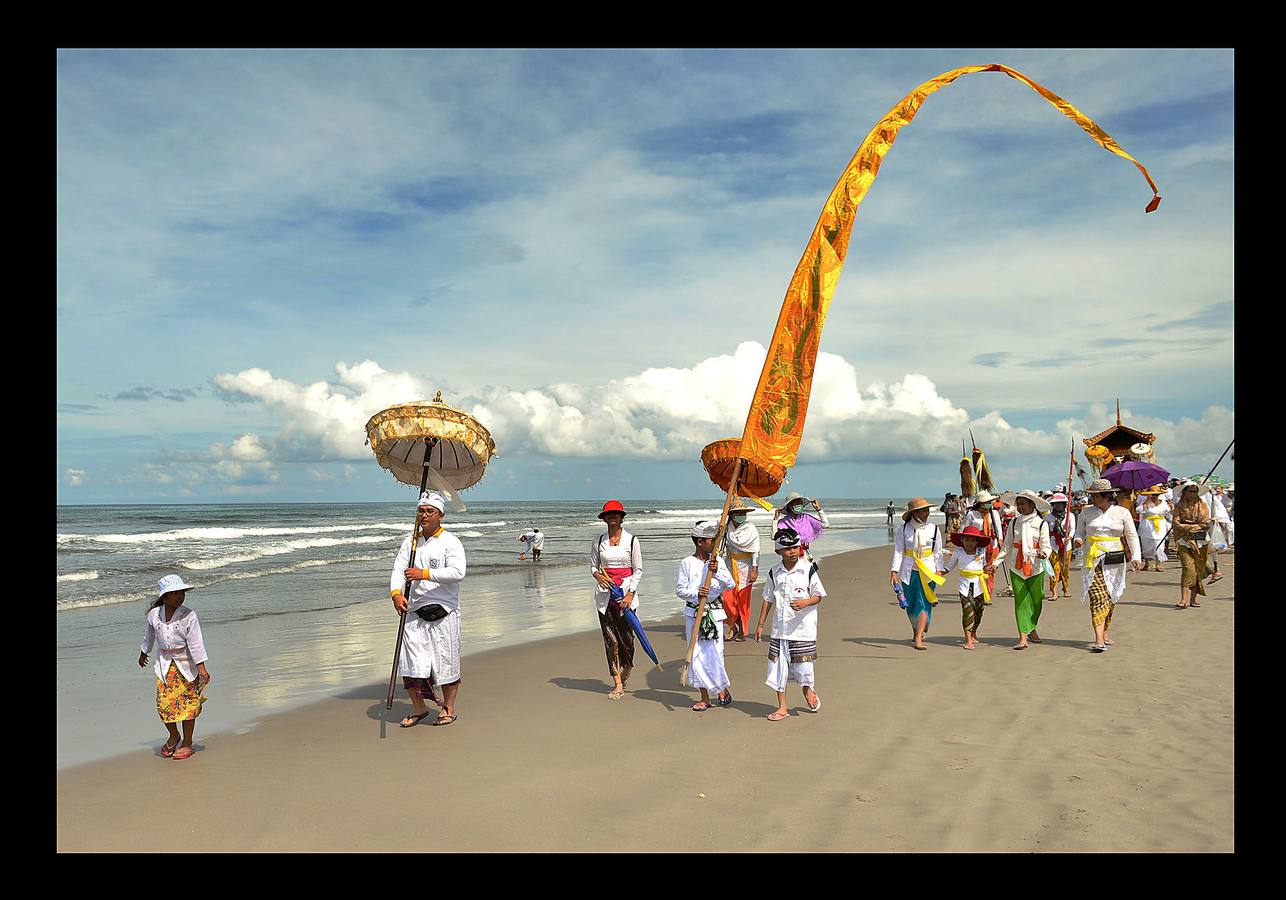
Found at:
(588, 250)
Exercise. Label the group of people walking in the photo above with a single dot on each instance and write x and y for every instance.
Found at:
(1031, 540)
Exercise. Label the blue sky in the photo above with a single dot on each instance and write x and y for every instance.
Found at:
(259, 249)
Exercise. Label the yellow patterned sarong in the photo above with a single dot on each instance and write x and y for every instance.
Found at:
(1101, 604)
(177, 699)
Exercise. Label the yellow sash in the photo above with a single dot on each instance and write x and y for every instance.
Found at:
(931, 578)
(1156, 523)
(736, 569)
(982, 580)
(1097, 549)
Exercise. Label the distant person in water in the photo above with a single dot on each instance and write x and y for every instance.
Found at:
(535, 542)
(889, 512)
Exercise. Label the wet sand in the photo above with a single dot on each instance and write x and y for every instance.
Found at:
(1053, 748)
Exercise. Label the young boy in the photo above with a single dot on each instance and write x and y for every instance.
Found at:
(708, 672)
(792, 591)
(970, 555)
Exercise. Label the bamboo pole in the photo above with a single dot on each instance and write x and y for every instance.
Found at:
(714, 555)
(429, 444)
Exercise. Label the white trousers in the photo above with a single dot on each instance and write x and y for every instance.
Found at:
(782, 671)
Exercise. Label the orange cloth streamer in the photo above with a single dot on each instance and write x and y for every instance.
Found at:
(775, 423)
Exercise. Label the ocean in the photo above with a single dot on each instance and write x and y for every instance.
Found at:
(293, 598)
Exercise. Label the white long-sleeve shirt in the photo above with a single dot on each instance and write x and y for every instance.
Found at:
(178, 641)
(911, 540)
(628, 554)
(692, 574)
(973, 562)
(784, 585)
(741, 540)
(443, 555)
(1032, 532)
(1115, 522)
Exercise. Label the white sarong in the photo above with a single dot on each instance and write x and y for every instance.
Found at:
(782, 671)
(431, 648)
(707, 669)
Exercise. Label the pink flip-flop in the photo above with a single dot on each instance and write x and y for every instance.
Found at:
(167, 751)
(183, 752)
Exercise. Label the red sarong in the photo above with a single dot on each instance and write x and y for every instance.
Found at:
(736, 603)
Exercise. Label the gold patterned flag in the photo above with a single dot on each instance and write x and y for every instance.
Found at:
(775, 424)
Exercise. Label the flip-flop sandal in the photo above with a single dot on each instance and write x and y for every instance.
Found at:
(700, 707)
(616, 695)
(727, 702)
(1097, 648)
(775, 717)
(921, 647)
(1020, 646)
(183, 752)
(1195, 605)
(169, 749)
(1181, 606)
(1034, 639)
(819, 702)
(414, 720)
(443, 720)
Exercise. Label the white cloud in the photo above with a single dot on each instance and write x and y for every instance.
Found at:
(671, 413)
(75, 477)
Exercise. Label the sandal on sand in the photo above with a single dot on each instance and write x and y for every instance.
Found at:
(1107, 643)
(168, 750)
(1097, 648)
(727, 702)
(811, 707)
(183, 752)
(777, 715)
(413, 720)
(444, 720)
(616, 695)
(1181, 606)
(1020, 646)
(700, 706)
(1195, 605)
(1034, 638)
(919, 647)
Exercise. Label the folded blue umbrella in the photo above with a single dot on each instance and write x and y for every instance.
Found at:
(616, 593)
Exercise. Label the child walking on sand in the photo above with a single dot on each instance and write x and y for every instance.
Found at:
(181, 676)
(970, 556)
(708, 671)
(792, 592)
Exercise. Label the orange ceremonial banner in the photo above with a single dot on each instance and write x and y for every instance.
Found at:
(775, 424)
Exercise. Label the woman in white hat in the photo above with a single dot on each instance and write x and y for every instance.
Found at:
(1191, 530)
(1109, 531)
(917, 554)
(1027, 541)
(180, 670)
(1154, 526)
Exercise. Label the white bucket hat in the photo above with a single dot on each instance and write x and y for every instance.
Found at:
(983, 497)
(171, 583)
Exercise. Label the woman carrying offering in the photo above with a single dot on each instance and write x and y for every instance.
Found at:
(1191, 530)
(917, 547)
(180, 670)
(970, 555)
(1108, 529)
(615, 558)
(1027, 538)
(1154, 515)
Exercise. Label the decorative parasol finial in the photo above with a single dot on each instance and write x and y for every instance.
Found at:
(437, 398)
(1118, 410)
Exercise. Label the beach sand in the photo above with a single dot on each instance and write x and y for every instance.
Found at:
(1053, 748)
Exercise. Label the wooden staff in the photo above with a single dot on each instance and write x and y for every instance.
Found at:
(718, 537)
(429, 444)
(1218, 461)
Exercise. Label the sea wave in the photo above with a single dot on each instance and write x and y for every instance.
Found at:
(78, 576)
(259, 551)
(223, 534)
(133, 596)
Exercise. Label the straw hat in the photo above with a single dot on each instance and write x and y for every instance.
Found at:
(1100, 486)
(1041, 504)
(738, 505)
(912, 505)
(983, 497)
(973, 532)
(1154, 490)
(792, 497)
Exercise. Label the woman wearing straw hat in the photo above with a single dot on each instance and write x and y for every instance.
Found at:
(1154, 515)
(793, 514)
(1027, 539)
(616, 558)
(1110, 531)
(180, 670)
(1191, 530)
(970, 555)
(917, 548)
(741, 552)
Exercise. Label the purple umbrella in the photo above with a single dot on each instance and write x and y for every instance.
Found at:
(1134, 475)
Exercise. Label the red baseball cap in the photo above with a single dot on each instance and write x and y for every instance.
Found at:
(612, 506)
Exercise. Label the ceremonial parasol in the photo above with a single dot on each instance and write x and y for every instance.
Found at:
(1134, 475)
(1212, 480)
(428, 445)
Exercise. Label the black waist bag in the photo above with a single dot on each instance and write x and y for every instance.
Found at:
(1114, 558)
(432, 612)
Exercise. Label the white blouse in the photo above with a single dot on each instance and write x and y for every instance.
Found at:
(178, 641)
(1115, 522)
(973, 562)
(1032, 532)
(910, 541)
(628, 554)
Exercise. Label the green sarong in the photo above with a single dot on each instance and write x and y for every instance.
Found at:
(1029, 593)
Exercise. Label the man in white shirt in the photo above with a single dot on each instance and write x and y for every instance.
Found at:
(535, 542)
(431, 643)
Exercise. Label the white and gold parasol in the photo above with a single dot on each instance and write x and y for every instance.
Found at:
(456, 446)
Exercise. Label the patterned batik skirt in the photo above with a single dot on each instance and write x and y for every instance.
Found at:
(1101, 604)
(1062, 563)
(177, 699)
(618, 639)
(971, 607)
(1194, 561)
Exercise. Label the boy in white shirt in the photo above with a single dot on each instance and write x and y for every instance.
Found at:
(792, 591)
(708, 672)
